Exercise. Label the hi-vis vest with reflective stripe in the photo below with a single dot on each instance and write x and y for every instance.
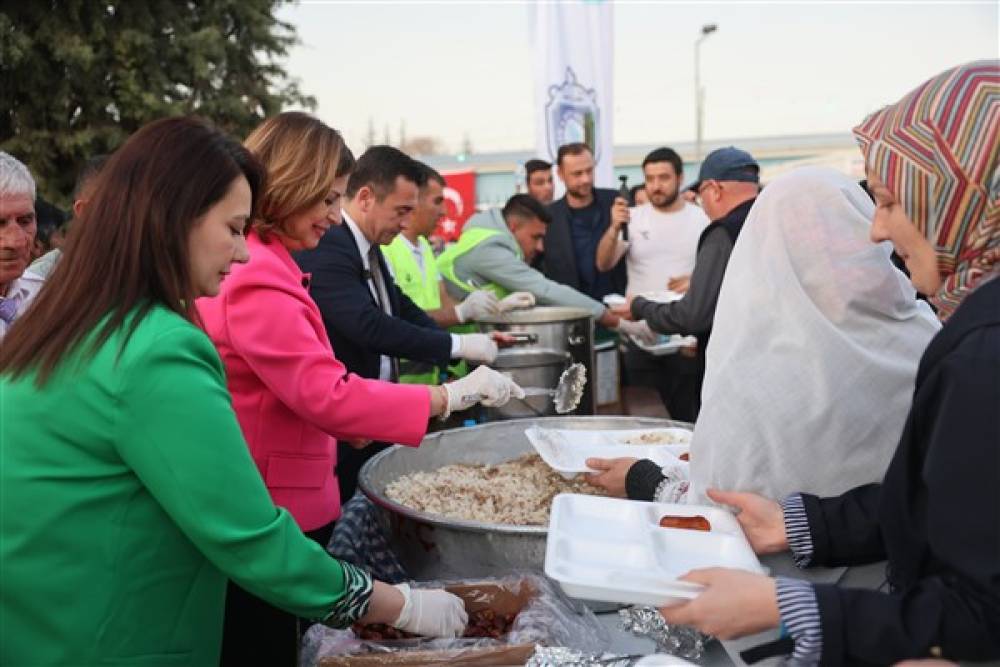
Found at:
(469, 239)
(421, 287)
(423, 290)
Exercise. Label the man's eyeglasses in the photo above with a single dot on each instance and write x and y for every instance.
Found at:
(701, 189)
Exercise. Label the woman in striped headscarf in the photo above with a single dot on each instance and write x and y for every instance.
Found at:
(935, 155)
(933, 163)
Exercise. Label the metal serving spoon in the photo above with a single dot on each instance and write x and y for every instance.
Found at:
(568, 391)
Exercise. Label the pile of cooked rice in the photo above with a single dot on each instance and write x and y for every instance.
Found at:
(517, 492)
(660, 438)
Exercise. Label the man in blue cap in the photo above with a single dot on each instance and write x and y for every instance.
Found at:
(728, 183)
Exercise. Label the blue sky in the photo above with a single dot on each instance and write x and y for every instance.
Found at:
(451, 68)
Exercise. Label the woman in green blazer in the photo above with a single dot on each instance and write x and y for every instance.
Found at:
(127, 493)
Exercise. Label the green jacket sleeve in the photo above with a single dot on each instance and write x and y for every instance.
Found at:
(180, 436)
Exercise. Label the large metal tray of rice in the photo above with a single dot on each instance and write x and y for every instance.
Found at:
(474, 501)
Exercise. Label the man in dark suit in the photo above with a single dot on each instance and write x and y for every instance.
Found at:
(371, 323)
(579, 220)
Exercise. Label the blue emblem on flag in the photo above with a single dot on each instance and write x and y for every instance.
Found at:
(572, 115)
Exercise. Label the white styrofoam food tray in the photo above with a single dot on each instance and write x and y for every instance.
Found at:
(614, 550)
(614, 300)
(665, 344)
(566, 450)
(665, 296)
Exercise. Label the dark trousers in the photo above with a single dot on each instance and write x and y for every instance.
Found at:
(255, 632)
(677, 379)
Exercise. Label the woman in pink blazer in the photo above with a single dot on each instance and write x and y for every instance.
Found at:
(291, 395)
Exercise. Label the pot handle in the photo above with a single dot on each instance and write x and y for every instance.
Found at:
(522, 337)
(575, 337)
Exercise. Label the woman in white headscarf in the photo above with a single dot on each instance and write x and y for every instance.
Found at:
(813, 354)
(815, 347)
(933, 165)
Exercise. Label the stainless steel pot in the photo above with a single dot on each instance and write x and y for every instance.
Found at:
(436, 547)
(529, 368)
(553, 329)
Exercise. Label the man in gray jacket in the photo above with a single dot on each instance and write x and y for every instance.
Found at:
(495, 251)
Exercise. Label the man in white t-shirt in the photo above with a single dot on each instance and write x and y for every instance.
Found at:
(660, 251)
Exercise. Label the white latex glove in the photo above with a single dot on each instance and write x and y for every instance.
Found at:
(483, 385)
(516, 301)
(478, 305)
(639, 330)
(477, 347)
(431, 613)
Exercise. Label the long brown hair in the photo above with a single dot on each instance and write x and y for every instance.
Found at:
(303, 156)
(129, 251)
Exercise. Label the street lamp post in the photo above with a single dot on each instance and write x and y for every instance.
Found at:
(699, 91)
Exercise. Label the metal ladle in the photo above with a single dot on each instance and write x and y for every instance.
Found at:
(568, 391)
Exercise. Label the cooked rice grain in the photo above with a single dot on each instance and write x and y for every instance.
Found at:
(659, 438)
(517, 492)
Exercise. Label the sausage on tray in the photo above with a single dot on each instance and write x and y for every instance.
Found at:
(696, 522)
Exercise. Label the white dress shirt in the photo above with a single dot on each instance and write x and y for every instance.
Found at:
(364, 245)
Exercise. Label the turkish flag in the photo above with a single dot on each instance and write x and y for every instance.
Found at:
(460, 202)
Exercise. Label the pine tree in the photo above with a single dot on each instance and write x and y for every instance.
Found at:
(77, 76)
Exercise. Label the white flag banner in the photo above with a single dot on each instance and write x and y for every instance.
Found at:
(573, 45)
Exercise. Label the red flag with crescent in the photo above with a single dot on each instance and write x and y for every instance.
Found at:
(460, 202)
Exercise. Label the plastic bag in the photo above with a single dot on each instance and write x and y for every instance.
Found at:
(544, 616)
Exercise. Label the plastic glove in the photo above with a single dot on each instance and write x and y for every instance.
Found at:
(431, 613)
(516, 301)
(483, 385)
(478, 305)
(639, 330)
(477, 347)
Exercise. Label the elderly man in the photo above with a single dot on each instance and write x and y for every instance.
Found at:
(18, 227)
(727, 185)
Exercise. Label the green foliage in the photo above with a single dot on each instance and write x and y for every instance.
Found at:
(78, 76)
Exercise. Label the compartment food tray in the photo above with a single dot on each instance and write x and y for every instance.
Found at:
(614, 550)
(566, 450)
(665, 344)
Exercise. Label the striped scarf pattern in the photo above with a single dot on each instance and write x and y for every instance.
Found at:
(937, 150)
